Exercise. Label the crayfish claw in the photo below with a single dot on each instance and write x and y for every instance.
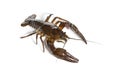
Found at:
(76, 30)
(63, 54)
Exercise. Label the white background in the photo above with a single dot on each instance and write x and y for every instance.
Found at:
(98, 20)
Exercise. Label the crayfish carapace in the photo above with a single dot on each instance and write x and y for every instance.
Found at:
(53, 33)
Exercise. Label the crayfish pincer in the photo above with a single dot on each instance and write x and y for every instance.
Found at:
(52, 31)
(60, 52)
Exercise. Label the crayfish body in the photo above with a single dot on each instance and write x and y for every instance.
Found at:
(53, 33)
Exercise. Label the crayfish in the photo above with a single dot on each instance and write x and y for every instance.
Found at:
(52, 32)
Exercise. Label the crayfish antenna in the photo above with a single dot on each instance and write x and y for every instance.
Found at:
(86, 40)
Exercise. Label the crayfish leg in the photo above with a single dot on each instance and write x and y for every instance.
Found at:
(47, 19)
(42, 43)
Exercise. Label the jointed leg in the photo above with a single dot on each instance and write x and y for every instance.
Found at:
(36, 38)
(62, 24)
(41, 35)
(59, 19)
(37, 33)
(63, 43)
(42, 43)
(54, 19)
(48, 18)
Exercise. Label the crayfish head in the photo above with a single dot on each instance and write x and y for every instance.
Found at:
(28, 20)
(25, 23)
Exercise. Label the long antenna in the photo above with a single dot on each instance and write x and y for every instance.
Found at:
(74, 39)
(81, 40)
